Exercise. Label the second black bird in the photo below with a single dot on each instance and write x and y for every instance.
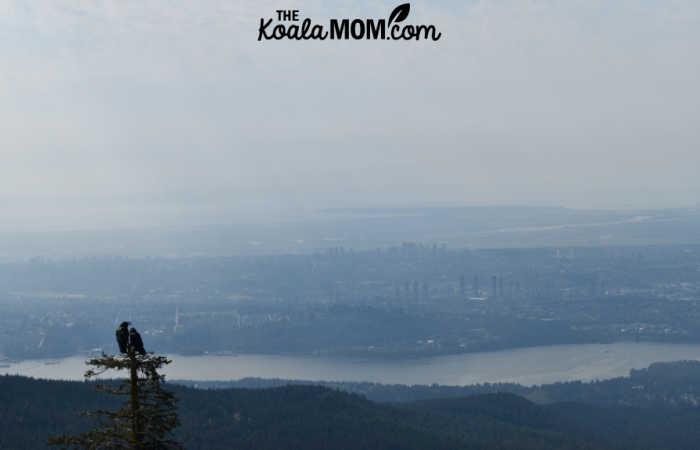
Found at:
(136, 342)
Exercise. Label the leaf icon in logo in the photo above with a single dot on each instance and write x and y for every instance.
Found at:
(400, 13)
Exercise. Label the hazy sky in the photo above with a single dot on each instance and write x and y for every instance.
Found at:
(128, 112)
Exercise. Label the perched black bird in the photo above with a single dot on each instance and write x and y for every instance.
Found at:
(136, 342)
(123, 337)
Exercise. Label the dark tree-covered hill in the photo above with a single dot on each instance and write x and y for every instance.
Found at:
(315, 417)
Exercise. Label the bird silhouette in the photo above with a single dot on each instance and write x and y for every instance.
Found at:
(136, 342)
(123, 337)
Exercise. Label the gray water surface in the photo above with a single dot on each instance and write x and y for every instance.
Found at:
(528, 366)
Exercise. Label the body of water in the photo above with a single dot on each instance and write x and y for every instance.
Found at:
(534, 365)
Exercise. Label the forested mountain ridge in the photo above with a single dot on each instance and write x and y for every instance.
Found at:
(309, 417)
(661, 385)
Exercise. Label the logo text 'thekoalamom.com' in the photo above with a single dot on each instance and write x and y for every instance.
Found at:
(289, 26)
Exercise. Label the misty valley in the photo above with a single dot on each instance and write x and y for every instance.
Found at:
(349, 225)
(355, 337)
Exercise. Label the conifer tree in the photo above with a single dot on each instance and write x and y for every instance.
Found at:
(147, 417)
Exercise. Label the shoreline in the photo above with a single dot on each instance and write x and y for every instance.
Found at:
(536, 365)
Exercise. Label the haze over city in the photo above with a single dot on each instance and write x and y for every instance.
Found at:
(119, 114)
